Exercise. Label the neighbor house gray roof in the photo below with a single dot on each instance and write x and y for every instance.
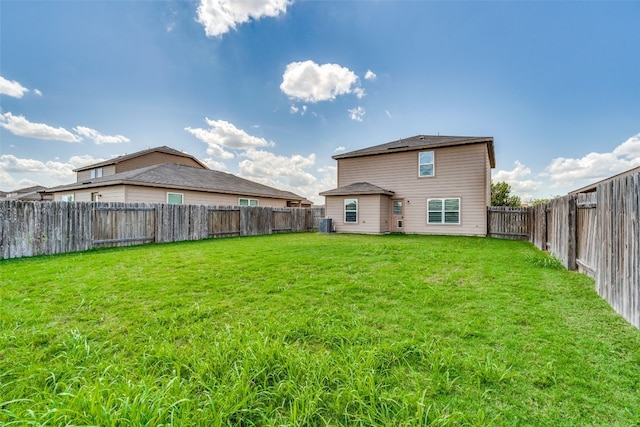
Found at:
(119, 159)
(357, 188)
(175, 176)
(28, 193)
(420, 142)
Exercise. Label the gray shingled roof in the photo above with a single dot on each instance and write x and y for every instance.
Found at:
(116, 160)
(357, 188)
(419, 142)
(175, 176)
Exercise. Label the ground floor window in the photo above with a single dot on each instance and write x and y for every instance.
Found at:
(351, 210)
(175, 198)
(443, 211)
(248, 202)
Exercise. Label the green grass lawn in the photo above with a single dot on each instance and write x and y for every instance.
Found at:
(310, 329)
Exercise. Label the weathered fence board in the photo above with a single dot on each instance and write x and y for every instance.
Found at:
(587, 246)
(509, 222)
(223, 221)
(618, 235)
(45, 228)
(596, 233)
(121, 224)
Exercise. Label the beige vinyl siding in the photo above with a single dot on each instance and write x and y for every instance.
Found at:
(371, 214)
(460, 172)
(159, 195)
(385, 214)
(154, 158)
(114, 193)
(140, 194)
(83, 175)
(109, 170)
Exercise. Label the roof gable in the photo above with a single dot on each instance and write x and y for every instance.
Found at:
(420, 142)
(164, 149)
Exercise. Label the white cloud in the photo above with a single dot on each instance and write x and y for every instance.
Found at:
(37, 92)
(20, 126)
(630, 149)
(288, 173)
(517, 179)
(269, 167)
(294, 109)
(340, 149)
(222, 134)
(370, 75)
(387, 113)
(80, 161)
(98, 138)
(220, 16)
(12, 164)
(310, 82)
(357, 114)
(214, 164)
(12, 88)
(18, 172)
(595, 166)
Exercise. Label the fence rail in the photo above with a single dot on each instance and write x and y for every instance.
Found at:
(46, 228)
(597, 234)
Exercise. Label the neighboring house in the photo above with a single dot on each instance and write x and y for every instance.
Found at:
(424, 184)
(164, 175)
(31, 194)
(593, 187)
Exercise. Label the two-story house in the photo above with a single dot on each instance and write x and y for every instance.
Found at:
(423, 184)
(165, 175)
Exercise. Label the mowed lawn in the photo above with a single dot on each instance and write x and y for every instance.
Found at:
(310, 329)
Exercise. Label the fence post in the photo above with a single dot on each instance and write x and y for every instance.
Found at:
(572, 232)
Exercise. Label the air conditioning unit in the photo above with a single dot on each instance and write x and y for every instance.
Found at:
(325, 225)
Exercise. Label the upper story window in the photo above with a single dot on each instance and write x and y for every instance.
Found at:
(248, 202)
(351, 210)
(96, 173)
(426, 164)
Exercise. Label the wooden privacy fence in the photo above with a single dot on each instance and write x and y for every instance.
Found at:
(507, 222)
(597, 234)
(46, 228)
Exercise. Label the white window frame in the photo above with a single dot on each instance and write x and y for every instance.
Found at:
(169, 194)
(346, 202)
(244, 201)
(443, 211)
(96, 173)
(432, 163)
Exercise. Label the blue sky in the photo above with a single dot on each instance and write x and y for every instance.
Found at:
(269, 90)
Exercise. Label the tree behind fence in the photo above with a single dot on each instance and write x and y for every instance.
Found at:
(46, 228)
